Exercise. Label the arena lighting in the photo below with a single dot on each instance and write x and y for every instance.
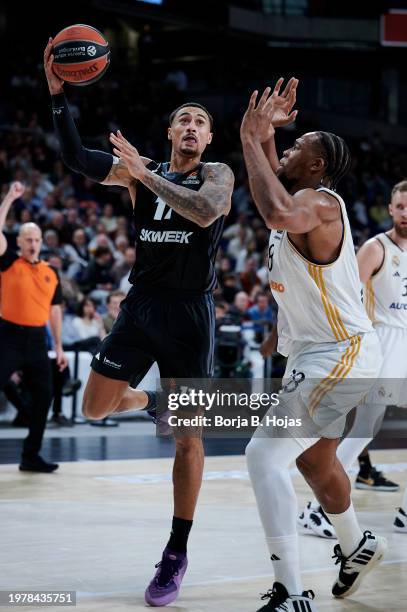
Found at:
(151, 1)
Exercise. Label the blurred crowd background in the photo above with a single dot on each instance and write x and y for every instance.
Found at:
(159, 62)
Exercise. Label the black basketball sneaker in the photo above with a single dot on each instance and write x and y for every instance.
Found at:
(280, 601)
(400, 522)
(367, 555)
(374, 481)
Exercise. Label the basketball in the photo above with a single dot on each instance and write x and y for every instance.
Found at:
(81, 54)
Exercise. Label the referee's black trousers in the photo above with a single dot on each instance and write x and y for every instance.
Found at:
(24, 349)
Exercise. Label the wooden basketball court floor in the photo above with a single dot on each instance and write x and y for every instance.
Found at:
(98, 527)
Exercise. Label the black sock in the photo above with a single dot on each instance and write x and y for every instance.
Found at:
(152, 400)
(179, 535)
(364, 465)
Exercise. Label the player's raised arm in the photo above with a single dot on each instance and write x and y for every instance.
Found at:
(301, 212)
(370, 259)
(97, 165)
(16, 191)
(202, 207)
(282, 115)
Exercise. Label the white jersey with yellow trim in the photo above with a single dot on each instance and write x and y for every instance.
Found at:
(317, 303)
(385, 294)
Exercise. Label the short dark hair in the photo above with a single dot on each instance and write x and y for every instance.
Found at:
(402, 186)
(195, 105)
(101, 250)
(113, 294)
(337, 157)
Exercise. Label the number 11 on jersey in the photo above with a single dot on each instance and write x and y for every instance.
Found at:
(159, 213)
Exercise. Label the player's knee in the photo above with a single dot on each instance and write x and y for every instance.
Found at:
(188, 445)
(260, 456)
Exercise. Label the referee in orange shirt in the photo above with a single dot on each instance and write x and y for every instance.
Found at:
(30, 297)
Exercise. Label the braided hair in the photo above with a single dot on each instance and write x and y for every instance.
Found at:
(336, 154)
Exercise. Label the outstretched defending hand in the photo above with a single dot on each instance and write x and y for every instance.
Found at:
(128, 153)
(283, 103)
(55, 84)
(257, 121)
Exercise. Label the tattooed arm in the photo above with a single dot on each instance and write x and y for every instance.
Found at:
(202, 207)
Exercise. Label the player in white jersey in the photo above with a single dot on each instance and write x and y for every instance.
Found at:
(333, 352)
(383, 270)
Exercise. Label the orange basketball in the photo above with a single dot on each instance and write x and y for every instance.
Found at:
(81, 54)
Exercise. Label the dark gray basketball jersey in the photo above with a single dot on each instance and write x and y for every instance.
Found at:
(173, 253)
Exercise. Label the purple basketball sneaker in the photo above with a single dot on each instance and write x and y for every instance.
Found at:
(164, 587)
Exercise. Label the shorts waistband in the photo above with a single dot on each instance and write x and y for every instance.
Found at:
(40, 329)
(173, 295)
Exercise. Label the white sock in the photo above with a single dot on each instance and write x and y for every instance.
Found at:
(347, 529)
(285, 557)
(268, 461)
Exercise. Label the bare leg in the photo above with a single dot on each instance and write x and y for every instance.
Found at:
(104, 396)
(326, 476)
(187, 476)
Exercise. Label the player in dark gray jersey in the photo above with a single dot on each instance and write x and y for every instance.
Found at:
(168, 316)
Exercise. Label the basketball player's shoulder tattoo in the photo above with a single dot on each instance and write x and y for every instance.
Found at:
(204, 206)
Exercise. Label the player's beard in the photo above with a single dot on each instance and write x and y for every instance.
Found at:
(401, 230)
(285, 181)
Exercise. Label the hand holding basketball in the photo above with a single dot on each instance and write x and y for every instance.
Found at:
(55, 84)
(128, 153)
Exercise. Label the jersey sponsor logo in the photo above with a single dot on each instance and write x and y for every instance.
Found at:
(396, 274)
(398, 306)
(181, 237)
(191, 181)
(277, 286)
(112, 364)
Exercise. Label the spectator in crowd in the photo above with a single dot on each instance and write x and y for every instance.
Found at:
(240, 242)
(88, 322)
(113, 308)
(249, 278)
(77, 254)
(239, 308)
(97, 278)
(50, 245)
(108, 219)
(121, 269)
(263, 314)
(70, 289)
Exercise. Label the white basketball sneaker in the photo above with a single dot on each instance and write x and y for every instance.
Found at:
(316, 522)
(280, 601)
(400, 522)
(367, 555)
